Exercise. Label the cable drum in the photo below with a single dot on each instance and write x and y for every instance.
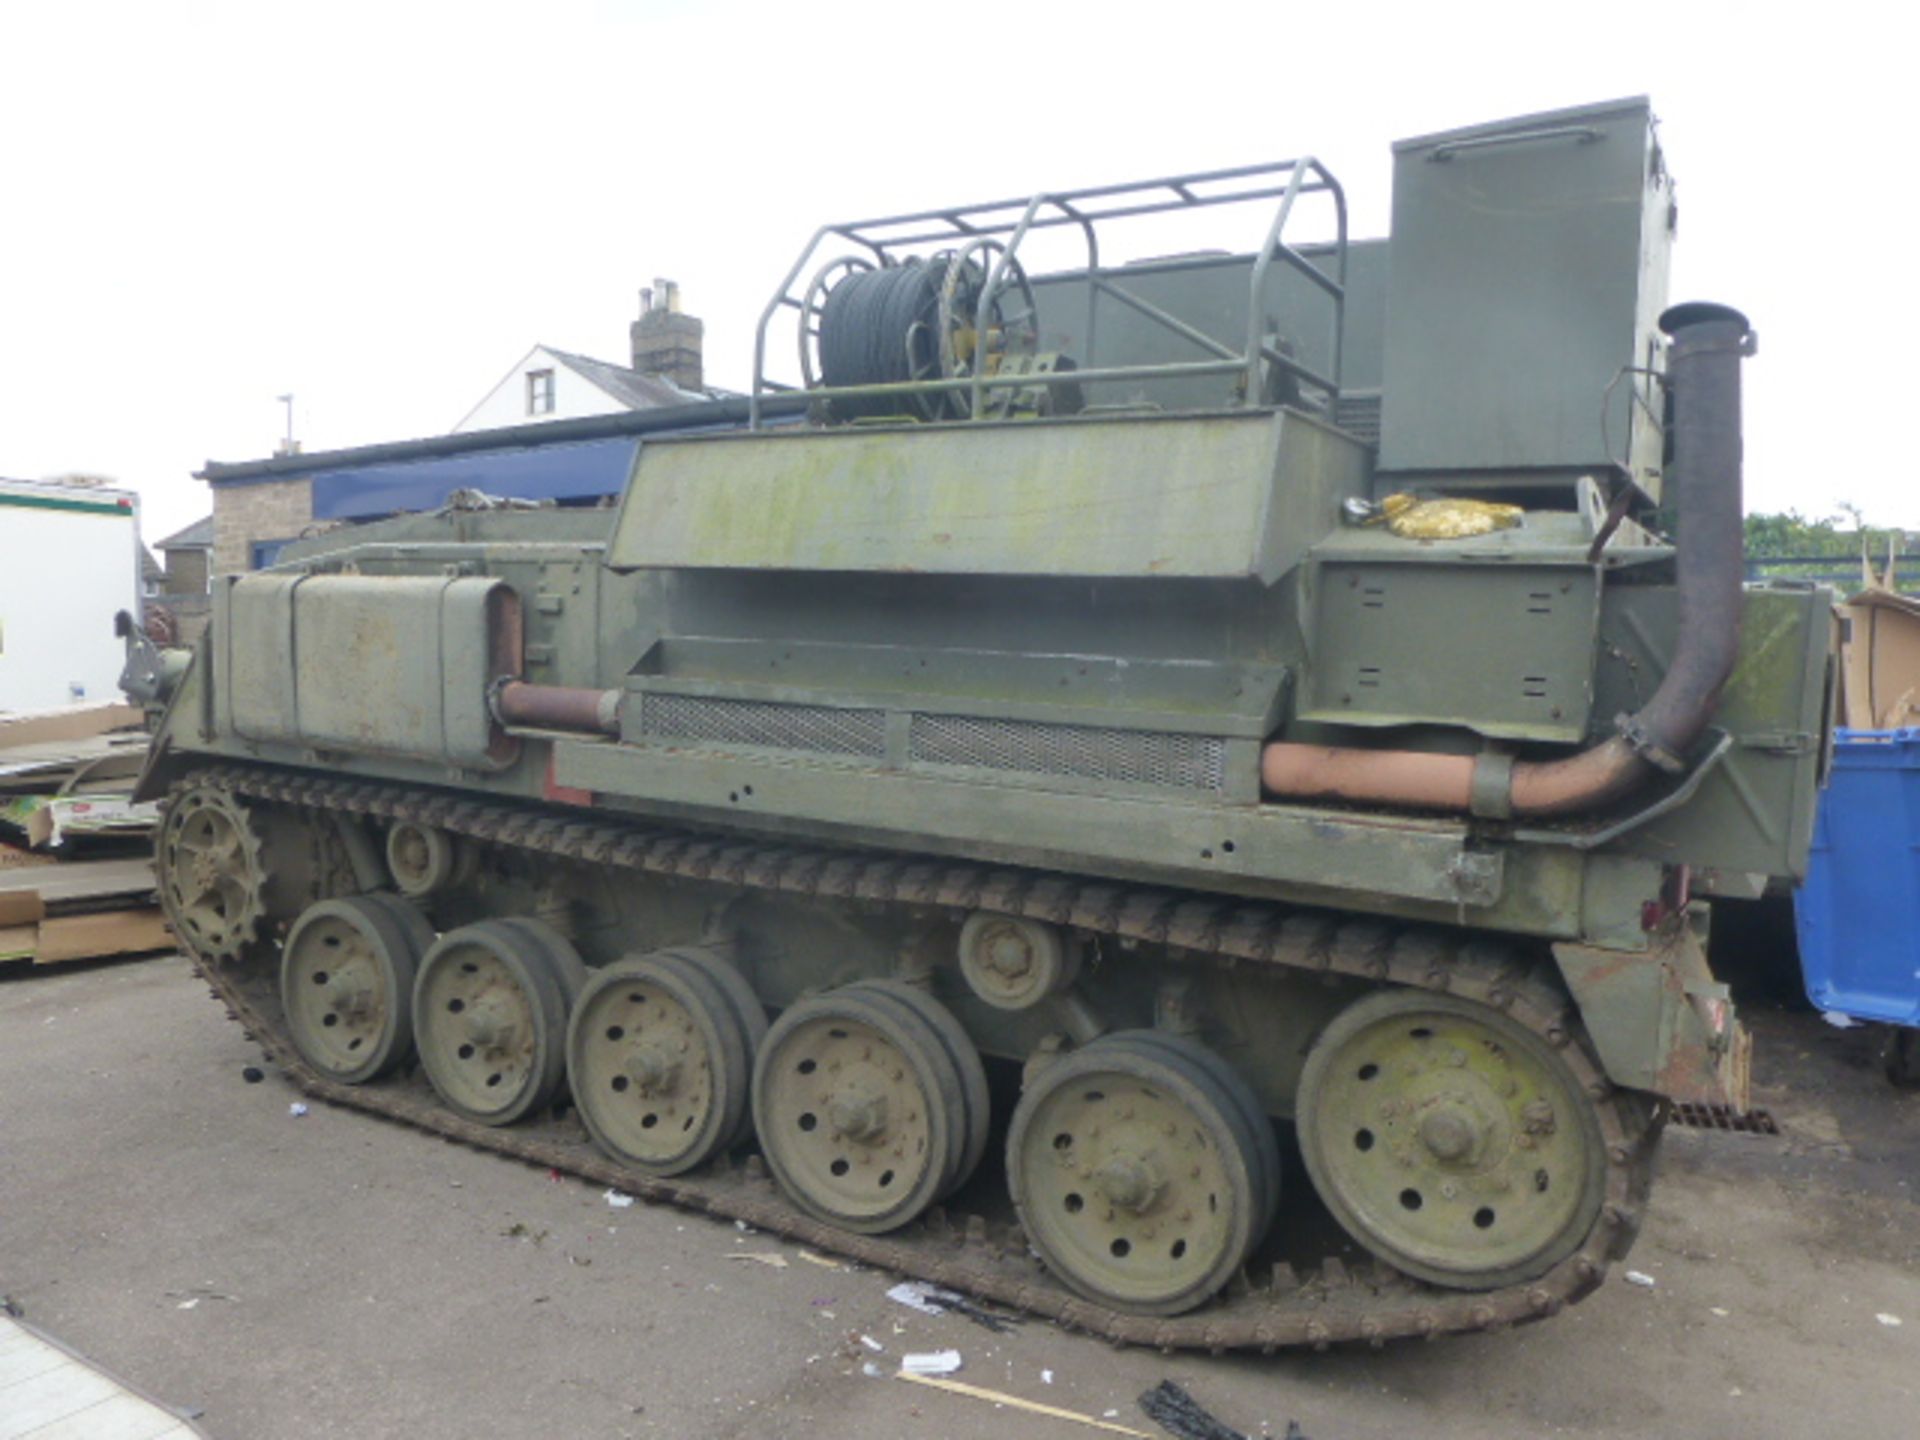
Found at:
(879, 327)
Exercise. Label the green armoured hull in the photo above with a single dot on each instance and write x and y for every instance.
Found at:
(1113, 734)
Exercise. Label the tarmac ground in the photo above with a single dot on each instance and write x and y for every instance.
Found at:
(329, 1274)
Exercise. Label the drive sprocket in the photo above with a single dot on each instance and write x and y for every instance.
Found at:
(211, 872)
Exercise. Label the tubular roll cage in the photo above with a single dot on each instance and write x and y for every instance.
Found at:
(887, 238)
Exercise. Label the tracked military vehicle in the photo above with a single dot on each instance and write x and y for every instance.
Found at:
(1180, 795)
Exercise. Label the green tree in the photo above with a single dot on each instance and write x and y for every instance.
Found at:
(1843, 537)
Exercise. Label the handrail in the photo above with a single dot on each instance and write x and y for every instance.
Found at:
(890, 239)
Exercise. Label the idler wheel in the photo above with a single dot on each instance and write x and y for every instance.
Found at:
(860, 1109)
(490, 1019)
(660, 1058)
(347, 972)
(1450, 1140)
(1137, 1174)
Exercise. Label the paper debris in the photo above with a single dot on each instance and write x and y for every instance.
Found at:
(188, 1304)
(820, 1260)
(761, 1257)
(871, 1370)
(1034, 1407)
(932, 1300)
(297, 1109)
(1717, 1310)
(1640, 1278)
(1839, 1021)
(619, 1199)
(913, 1295)
(872, 1344)
(1046, 1377)
(1889, 1320)
(932, 1362)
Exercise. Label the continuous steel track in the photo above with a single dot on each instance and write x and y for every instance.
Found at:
(1334, 1304)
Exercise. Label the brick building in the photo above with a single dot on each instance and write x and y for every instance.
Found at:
(181, 584)
(260, 506)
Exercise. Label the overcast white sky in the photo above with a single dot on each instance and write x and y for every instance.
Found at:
(379, 207)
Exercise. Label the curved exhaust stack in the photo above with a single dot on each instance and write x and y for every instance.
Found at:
(1703, 372)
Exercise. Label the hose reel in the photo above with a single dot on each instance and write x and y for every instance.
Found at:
(917, 320)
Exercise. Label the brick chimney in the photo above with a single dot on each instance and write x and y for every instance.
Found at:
(665, 341)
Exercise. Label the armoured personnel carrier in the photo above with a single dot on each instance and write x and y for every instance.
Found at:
(1223, 732)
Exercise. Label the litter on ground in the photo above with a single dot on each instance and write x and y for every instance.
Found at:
(1178, 1413)
(1034, 1407)
(912, 1294)
(761, 1257)
(619, 1199)
(932, 1300)
(1640, 1278)
(932, 1362)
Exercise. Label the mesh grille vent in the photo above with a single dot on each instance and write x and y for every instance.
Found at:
(1359, 416)
(820, 729)
(1191, 762)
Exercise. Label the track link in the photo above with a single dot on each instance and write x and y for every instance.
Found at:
(1334, 1305)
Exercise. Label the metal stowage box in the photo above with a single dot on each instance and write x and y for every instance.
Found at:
(1859, 912)
(1529, 266)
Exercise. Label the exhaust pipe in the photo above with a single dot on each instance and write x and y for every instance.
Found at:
(556, 707)
(1703, 372)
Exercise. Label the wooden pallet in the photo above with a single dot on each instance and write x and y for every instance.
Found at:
(80, 910)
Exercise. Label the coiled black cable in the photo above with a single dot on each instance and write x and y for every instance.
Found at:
(881, 327)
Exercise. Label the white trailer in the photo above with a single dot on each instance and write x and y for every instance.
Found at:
(69, 558)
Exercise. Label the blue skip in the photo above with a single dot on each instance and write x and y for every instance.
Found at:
(1858, 914)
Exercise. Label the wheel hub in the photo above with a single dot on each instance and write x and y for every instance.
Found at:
(858, 1114)
(1008, 954)
(1128, 1182)
(1434, 1129)
(346, 977)
(1138, 1179)
(652, 1068)
(492, 1023)
(1453, 1134)
(659, 1051)
(352, 995)
(860, 1107)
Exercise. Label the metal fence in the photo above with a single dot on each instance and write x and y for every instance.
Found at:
(1840, 571)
